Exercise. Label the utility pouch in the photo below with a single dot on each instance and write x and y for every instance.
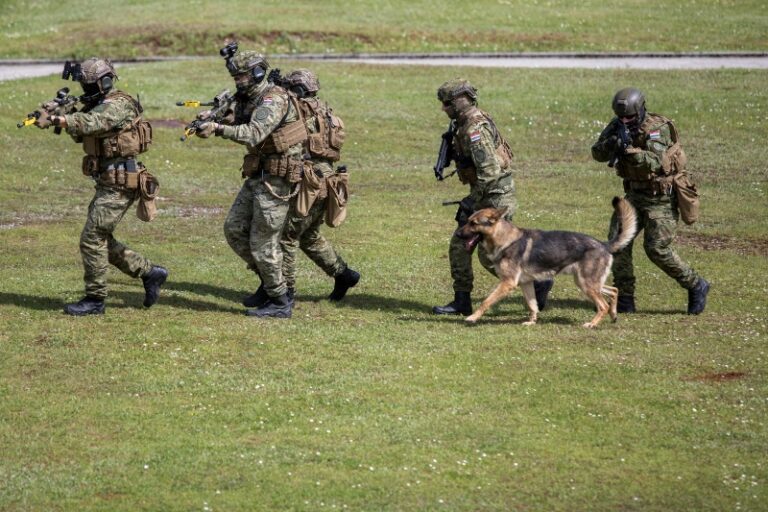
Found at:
(90, 165)
(687, 197)
(131, 180)
(338, 194)
(311, 188)
(148, 187)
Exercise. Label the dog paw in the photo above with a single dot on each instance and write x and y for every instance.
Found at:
(472, 319)
(589, 325)
(529, 322)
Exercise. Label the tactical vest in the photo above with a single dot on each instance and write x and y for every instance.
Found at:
(673, 160)
(286, 134)
(131, 140)
(465, 166)
(270, 156)
(328, 136)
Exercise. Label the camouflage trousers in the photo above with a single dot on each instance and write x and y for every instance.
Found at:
(304, 232)
(461, 260)
(657, 219)
(98, 246)
(254, 226)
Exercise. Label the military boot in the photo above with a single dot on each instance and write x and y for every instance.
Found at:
(697, 297)
(276, 307)
(86, 306)
(461, 305)
(256, 300)
(291, 293)
(344, 282)
(153, 280)
(542, 292)
(625, 304)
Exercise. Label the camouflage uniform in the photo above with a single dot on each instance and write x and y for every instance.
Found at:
(98, 246)
(651, 193)
(257, 217)
(483, 161)
(304, 231)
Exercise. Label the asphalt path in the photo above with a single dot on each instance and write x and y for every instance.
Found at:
(11, 70)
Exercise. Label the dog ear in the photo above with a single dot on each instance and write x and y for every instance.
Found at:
(501, 212)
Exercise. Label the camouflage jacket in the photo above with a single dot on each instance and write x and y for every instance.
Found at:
(483, 156)
(255, 119)
(115, 112)
(649, 155)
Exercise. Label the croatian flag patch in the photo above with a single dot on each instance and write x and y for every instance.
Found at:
(267, 100)
(654, 135)
(474, 137)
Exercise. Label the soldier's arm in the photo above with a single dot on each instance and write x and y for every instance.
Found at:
(649, 160)
(110, 115)
(603, 149)
(264, 120)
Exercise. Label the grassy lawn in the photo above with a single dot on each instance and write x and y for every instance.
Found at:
(374, 403)
(46, 29)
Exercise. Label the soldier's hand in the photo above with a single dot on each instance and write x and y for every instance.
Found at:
(206, 130)
(43, 120)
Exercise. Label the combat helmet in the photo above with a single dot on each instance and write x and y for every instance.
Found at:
(452, 89)
(248, 62)
(96, 76)
(629, 102)
(302, 82)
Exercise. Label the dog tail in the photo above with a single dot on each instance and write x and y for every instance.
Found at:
(627, 225)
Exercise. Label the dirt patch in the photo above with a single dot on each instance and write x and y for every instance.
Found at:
(743, 246)
(717, 377)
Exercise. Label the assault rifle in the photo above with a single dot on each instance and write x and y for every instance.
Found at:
(445, 154)
(63, 103)
(220, 103)
(624, 141)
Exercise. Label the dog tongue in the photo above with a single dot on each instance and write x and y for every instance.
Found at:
(471, 242)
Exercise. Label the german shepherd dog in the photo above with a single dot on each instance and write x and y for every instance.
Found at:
(521, 256)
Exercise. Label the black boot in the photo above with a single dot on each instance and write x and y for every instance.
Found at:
(256, 300)
(276, 307)
(344, 282)
(153, 280)
(291, 293)
(542, 292)
(625, 304)
(461, 305)
(697, 297)
(86, 306)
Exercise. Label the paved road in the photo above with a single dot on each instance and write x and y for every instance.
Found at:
(10, 70)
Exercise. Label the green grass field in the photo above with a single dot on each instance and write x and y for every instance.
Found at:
(139, 28)
(374, 403)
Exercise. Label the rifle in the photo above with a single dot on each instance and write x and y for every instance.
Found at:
(220, 103)
(274, 77)
(63, 103)
(445, 154)
(624, 142)
(466, 209)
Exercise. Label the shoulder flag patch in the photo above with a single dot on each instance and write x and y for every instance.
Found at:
(474, 136)
(267, 100)
(654, 134)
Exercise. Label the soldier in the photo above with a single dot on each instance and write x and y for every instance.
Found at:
(646, 160)
(111, 128)
(326, 135)
(483, 161)
(266, 119)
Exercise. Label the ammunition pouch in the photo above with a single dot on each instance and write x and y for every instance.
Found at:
(287, 135)
(124, 175)
(327, 141)
(284, 166)
(130, 142)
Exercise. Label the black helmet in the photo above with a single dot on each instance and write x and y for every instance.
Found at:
(629, 102)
